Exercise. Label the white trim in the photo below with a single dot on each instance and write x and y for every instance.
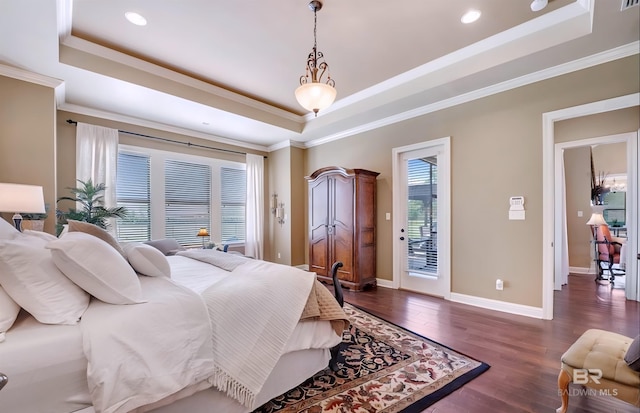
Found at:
(506, 307)
(548, 183)
(31, 77)
(88, 47)
(381, 282)
(567, 23)
(82, 110)
(581, 270)
(286, 144)
(580, 64)
(444, 213)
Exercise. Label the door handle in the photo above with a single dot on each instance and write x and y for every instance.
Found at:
(401, 238)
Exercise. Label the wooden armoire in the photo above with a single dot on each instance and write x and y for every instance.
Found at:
(342, 225)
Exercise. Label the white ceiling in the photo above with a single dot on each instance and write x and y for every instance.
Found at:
(227, 70)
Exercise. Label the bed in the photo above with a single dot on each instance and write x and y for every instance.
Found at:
(208, 338)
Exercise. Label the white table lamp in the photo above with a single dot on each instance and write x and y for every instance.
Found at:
(18, 198)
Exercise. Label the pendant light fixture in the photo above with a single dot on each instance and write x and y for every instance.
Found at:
(314, 94)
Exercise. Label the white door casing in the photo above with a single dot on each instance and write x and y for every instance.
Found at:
(440, 285)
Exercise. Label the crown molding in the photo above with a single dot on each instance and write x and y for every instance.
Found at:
(580, 64)
(27, 76)
(82, 110)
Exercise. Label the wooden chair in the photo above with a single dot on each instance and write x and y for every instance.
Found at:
(607, 254)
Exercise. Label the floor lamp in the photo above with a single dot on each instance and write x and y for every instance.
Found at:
(18, 198)
(595, 221)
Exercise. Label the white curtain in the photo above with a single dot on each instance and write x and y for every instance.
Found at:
(255, 208)
(96, 158)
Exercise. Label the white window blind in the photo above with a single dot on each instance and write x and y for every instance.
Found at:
(423, 211)
(233, 199)
(133, 193)
(187, 201)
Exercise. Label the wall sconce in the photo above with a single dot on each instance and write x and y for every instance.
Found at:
(280, 215)
(277, 209)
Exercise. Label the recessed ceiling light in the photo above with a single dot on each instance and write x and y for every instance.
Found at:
(470, 16)
(135, 18)
(537, 5)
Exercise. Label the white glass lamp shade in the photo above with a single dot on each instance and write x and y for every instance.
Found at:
(315, 96)
(596, 219)
(21, 198)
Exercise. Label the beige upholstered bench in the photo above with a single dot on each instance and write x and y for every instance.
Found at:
(602, 361)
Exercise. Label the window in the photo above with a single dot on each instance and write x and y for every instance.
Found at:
(187, 197)
(233, 203)
(171, 195)
(132, 192)
(423, 212)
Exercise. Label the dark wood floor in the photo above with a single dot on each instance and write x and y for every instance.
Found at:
(524, 353)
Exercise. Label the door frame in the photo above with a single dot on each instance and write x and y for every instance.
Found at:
(444, 214)
(549, 200)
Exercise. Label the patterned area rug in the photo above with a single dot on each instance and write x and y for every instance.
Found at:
(382, 368)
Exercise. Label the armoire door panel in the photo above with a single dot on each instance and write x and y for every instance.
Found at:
(343, 189)
(319, 204)
(343, 252)
(318, 258)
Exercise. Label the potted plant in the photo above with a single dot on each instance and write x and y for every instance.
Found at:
(91, 199)
(598, 188)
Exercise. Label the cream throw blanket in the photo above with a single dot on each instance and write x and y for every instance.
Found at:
(253, 313)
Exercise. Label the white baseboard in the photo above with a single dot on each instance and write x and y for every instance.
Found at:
(582, 270)
(519, 309)
(380, 282)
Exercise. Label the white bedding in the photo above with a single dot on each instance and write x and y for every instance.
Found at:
(58, 367)
(43, 360)
(138, 354)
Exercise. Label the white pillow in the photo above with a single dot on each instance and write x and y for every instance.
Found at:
(96, 231)
(96, 267)
(29, 276)
(147, 260)
(8, 312)
(7, 230)
(42, 235)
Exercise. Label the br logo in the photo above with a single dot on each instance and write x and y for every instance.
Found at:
(583, 376)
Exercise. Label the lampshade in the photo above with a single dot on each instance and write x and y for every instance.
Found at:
(21, 198)
(203, 232)
(315, 96)
(596, 219)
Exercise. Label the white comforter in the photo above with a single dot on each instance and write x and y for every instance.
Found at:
(139, 354)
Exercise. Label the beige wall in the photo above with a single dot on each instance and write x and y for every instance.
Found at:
(577, 164)
(496, 153)
(280, 183)
(28, 139)
(298, 213)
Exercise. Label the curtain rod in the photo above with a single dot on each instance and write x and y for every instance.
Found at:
(73, 122)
